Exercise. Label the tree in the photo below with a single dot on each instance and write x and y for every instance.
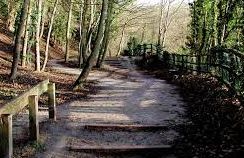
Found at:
(84, 31)
(105, 41)
(49, 34)
(215, 23)
(12, 6)
(43, 14)
(166, 18)
(37, 43)
(26, 36)
(93, 57)
(17, 46)
(81, 24)
(68, 32)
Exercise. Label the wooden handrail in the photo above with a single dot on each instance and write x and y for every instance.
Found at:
(28, 98)
(17, 104)
(225, 64)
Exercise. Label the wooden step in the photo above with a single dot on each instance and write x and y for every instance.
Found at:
(165, 149)
(117, 127)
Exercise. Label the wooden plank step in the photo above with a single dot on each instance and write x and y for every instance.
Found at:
(166, 149)
(117, 127)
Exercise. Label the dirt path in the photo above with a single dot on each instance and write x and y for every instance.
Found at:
(125, 97)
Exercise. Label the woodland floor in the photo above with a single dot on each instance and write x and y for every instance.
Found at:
(124, 97)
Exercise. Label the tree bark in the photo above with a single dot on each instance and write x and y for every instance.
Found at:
(92, 58)
(43, 18)
(80, 59)
(90, 29)
(121, 43)
(105, 41)
(160, 23)
(215, 22)
(37, 44)
(17, 47)
(68, 32)
(83, 41)
(26, 37)
(49, 34)
(11, 15)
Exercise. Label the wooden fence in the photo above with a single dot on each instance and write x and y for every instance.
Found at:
(225, 64)
(29, 98)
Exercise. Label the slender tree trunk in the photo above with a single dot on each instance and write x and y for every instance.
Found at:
(220, 22)
(11, 15)
(17, 47)
(68, 32)
(166, 24)
(121, 43)
(29, 51)
(90, 29)
(43, 18)
(49, 34)
(105, 41)
(26, 37)
(215, 23)
(80, 59)
(92, 58)
(37, 44)
(143, 33)
(84, 33)
(160, 23)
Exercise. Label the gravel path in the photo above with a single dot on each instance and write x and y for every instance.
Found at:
(125, 96)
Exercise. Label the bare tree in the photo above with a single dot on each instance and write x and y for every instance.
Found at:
(166, 18)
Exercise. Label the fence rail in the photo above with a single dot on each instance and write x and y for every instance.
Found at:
(29, 98)
(225, 64)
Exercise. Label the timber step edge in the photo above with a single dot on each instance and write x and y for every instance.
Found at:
(117, 127)
(165, 149)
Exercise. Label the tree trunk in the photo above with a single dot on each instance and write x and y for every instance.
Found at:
(68, 32)
(160, 23)
(43, 18)
(90, 29)
(215, 22)
(26, 37)
(84, 34)
(80, 59)
(105, 41)
(17, 47)
(121, 43)
(49, 34)
(37, 44)
(11, 15)
(92, 58)
(143, 33)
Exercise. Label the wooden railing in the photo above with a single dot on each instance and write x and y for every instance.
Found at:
(29, 98)
(225, 64)
(142, 49)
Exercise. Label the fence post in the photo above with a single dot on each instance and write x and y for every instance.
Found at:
(52, 101)
(198, 63)
(6, 143)
(33, 117)
(174, 61)
(182, 62)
